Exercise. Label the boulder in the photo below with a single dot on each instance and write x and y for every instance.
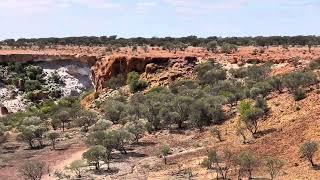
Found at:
(151, 68)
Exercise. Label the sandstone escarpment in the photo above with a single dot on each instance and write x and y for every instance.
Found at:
(170, 66)
(153, 68)
(157, 66)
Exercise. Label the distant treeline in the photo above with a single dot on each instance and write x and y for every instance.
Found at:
(155, 41)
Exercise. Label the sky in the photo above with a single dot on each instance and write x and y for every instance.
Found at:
(160, 18)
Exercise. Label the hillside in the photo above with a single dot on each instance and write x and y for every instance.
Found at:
(154, 96)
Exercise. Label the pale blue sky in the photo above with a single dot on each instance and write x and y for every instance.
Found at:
(147, 18)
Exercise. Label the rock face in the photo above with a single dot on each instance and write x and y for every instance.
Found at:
(146, 65)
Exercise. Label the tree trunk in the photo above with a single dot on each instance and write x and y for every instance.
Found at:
(108, 165)
(250, 174)
(244, 138)
(30, 144)
(124, 150)
(97, 166)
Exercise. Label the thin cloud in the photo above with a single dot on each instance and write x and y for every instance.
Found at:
(39, 6)
(145, 6)
(204, 6)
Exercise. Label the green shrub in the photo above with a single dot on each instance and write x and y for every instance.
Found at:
(228, 48)
(212, 46)
(55, 78)
(16, 67)
(114, 110)
(77, 166)
(315, 64)
(308, 150)
(273, 166)
(247, 162)
(299, 94)
(31, 85)
(141, 84)
(296, 80)
(32, 169)
(250, 115)
(132, 77)
(94, 155)
(209, 73)
(165, 150)
(134, 83)
(34, 72)
(33, 96)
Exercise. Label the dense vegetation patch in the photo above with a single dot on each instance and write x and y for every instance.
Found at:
(170, 43)
(31, 81)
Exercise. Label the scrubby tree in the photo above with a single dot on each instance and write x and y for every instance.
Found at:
(33, 170)
(85, 119)
(114, 110)
(28, 135)
(94, 155)
(310, 44)
(212, 46)
(165, 150)
(122, 138)
(210, 73)
(299, 94)
(215, 131)
(250, 115)
(241, 131)
(101, 125)
(153, 103)
(77, 167)
(137, 128)
(105, 139)
(32, 120)
(308, 150)
(247, 163)
(169, 46)
(63, 117)
(277, 83)
(273, 166)
(258, 72)
(261, 103)
(205, 111)
(53, 136)
(229, 48)
(181, 105)
(222, 163)
(32, 134)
